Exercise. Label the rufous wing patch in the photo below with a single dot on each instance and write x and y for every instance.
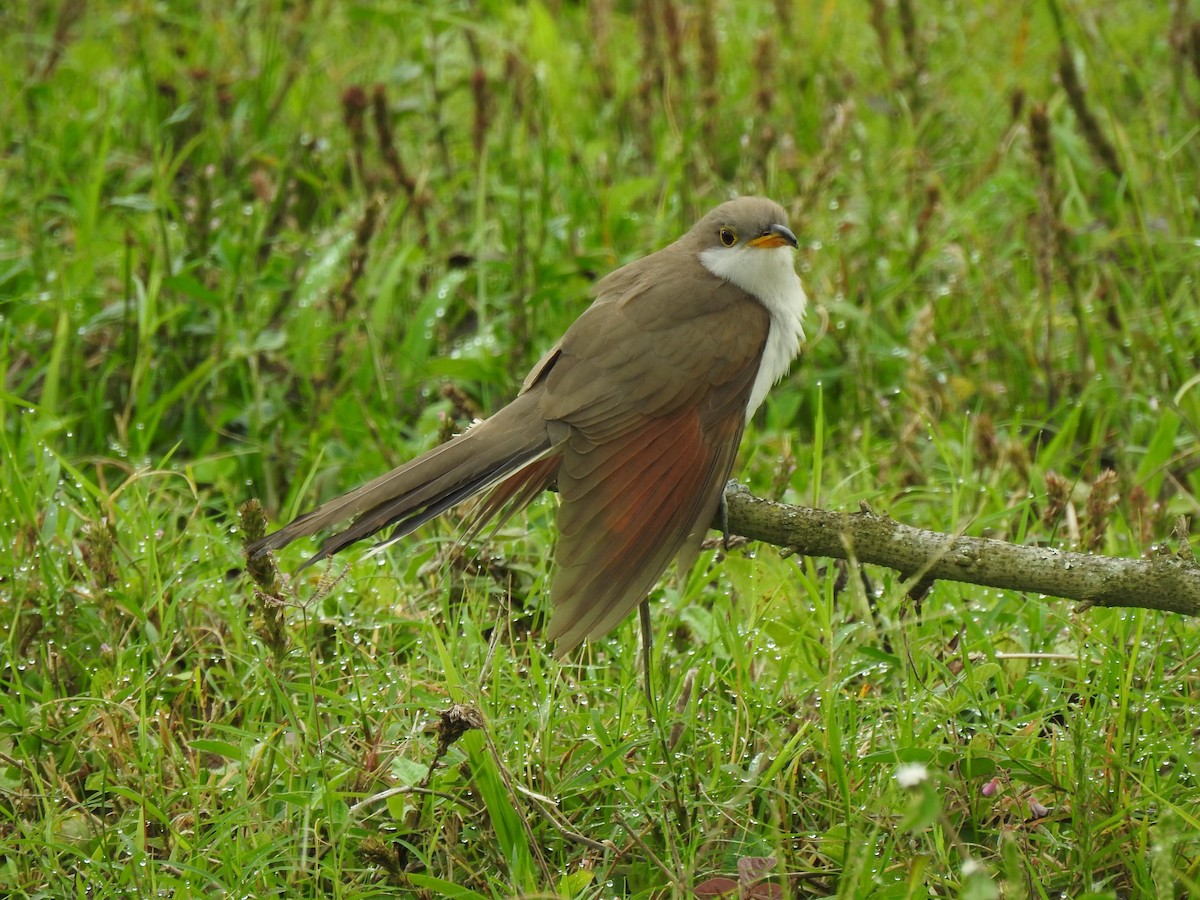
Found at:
(628, 507)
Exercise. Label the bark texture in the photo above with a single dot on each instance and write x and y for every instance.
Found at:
(1166, 581)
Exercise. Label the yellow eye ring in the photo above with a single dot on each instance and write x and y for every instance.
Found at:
(728, 236)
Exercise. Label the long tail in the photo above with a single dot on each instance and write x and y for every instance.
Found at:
(417, 491)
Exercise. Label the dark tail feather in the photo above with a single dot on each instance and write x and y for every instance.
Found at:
(406, 518)
(509, 496)
(417, 491)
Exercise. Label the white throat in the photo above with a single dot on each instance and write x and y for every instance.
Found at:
(770, 276)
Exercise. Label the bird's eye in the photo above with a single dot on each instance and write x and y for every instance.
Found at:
(728, 236)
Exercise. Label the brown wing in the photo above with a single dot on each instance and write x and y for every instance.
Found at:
(653, 435)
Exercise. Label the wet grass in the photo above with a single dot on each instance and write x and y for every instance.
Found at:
(272, 250)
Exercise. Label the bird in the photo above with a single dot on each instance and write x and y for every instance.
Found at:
(635, 415)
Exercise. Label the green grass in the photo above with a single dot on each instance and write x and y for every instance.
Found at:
(210, 289)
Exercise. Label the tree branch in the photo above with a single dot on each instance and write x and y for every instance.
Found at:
(1169, 582)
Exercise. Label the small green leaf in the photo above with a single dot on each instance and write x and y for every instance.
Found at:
(219, 748)
(574, 882)
(924, 809)
(443, 888)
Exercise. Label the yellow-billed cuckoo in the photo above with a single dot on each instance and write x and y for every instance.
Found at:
(636, 414)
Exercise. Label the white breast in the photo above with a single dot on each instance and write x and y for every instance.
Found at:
(769, 275)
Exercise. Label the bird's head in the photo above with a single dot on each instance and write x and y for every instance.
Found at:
(748, 243)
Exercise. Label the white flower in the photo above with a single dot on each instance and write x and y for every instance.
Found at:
(911, 775)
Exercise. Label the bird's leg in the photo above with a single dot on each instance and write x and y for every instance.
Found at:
(656, 723)
(723, 512)
(647, 655)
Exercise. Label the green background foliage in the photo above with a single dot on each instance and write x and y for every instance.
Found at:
(271, 249)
